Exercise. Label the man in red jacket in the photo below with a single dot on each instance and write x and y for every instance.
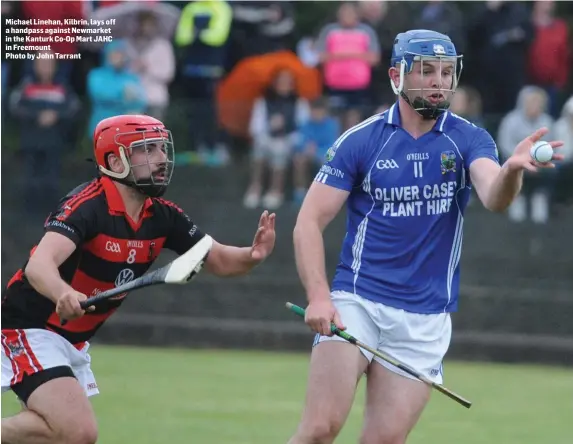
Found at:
(549, 58)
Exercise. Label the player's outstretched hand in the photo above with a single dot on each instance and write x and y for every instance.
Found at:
(264, 241)
(319, 316)
(521, 158)
(68, 305)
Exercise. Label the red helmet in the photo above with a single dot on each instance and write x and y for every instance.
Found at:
(120, 135)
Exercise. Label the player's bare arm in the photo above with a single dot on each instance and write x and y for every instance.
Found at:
(42, 268)
(497, 186)
(322, 203)
(43, 274)
(228, 260)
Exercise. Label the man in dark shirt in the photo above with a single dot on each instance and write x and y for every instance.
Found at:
(103, 234)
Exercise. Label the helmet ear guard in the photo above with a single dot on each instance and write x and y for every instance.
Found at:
(398, 89)
(126, 166)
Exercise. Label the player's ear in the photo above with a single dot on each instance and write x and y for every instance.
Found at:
(394, 74)
(115, 163)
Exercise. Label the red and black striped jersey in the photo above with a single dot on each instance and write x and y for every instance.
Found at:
(111, 249)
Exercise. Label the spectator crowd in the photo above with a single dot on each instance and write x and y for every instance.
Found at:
(516, 78)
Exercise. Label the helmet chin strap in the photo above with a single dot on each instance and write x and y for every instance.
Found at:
(424, 108)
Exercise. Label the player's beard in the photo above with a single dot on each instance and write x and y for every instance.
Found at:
(152, 185)
(156, 184)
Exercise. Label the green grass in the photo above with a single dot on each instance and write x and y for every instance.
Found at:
(151, 396)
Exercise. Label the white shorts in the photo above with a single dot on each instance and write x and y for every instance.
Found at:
(418, 340)
(33, 350)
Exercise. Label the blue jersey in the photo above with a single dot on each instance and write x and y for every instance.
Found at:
(405, 209)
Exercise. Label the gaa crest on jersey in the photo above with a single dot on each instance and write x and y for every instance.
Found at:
(448, 162)
(15, 348)
(331, 153)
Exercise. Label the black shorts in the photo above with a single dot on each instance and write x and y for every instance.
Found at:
(31, 382)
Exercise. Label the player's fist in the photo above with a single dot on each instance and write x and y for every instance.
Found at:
(320, 315)
(68, 305)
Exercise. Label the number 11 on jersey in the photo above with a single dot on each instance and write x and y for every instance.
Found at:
(418, 171)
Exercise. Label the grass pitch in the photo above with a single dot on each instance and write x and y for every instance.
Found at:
(158, 396)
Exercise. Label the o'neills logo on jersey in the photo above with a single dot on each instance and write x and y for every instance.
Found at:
(134, 244)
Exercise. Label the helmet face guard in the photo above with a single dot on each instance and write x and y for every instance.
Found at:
(151, 175)
(424, 47)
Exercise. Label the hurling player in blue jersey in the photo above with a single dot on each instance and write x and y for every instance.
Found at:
(405, 176)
